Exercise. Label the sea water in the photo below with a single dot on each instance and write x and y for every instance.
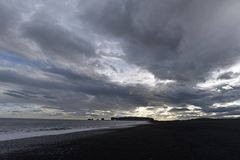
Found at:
(11, 129)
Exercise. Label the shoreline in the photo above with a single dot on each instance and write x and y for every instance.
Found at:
(18, 136)
(34, 141)
(55, 127)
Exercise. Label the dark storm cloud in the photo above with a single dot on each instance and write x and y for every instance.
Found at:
(179, 110)
(223, 109)
(228, 75)
(54, 39)
(148, 38)
(99, 86)
(179, 40)
(170, 38)
(183, 96)
(6, 17)
(159, 35)
(19, 94)
(14, 95)
(72, 76)
(19, 79)
(106, 94)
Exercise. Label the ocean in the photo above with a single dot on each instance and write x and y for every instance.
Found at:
(11, 129)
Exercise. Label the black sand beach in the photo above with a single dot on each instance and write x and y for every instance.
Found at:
(178, 140)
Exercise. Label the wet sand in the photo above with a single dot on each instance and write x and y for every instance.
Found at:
(178, 140)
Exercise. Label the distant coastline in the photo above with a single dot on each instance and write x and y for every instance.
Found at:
(132, 119)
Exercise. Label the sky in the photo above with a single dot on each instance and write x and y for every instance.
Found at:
(166, 59)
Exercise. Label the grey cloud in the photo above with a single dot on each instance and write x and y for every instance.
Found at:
(181, 40)
(102, 88)
(70, 75)
(49, 97)
(33, 29)
(54, 39)
(14, 95)
(18, 79)
(106, 94)
(19, 94)
(167, 37)
(179, 110)
(6, 17)
(223, 109)
(180, 96)
(228, 75)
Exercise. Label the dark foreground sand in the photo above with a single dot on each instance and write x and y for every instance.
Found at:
(179, 140)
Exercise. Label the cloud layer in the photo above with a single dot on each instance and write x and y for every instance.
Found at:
(168, 59)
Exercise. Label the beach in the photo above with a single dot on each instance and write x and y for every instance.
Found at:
(176, 140)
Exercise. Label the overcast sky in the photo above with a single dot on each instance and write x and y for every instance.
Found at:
(166, 59)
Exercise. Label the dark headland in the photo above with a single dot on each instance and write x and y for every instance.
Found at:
(203, 139)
